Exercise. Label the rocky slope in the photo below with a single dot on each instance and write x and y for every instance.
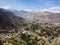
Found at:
(39, 16)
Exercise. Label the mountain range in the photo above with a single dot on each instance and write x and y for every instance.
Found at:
(8, 18)
(38, 16)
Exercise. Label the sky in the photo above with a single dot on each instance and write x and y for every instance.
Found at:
(34, 5)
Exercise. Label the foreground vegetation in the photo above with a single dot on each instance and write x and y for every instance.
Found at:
(32, 34)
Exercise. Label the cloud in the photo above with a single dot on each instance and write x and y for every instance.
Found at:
(5, 7)
(55, 9)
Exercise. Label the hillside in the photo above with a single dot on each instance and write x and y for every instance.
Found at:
(8, 19)
(39, 16)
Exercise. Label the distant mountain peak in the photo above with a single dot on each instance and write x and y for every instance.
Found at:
(47, 12)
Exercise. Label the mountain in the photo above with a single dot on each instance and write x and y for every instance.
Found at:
(8, 19)
(18, 13)
(39, 16)
(30, 16)
(54, 17)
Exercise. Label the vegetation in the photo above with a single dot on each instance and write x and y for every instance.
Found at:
(34, 34)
